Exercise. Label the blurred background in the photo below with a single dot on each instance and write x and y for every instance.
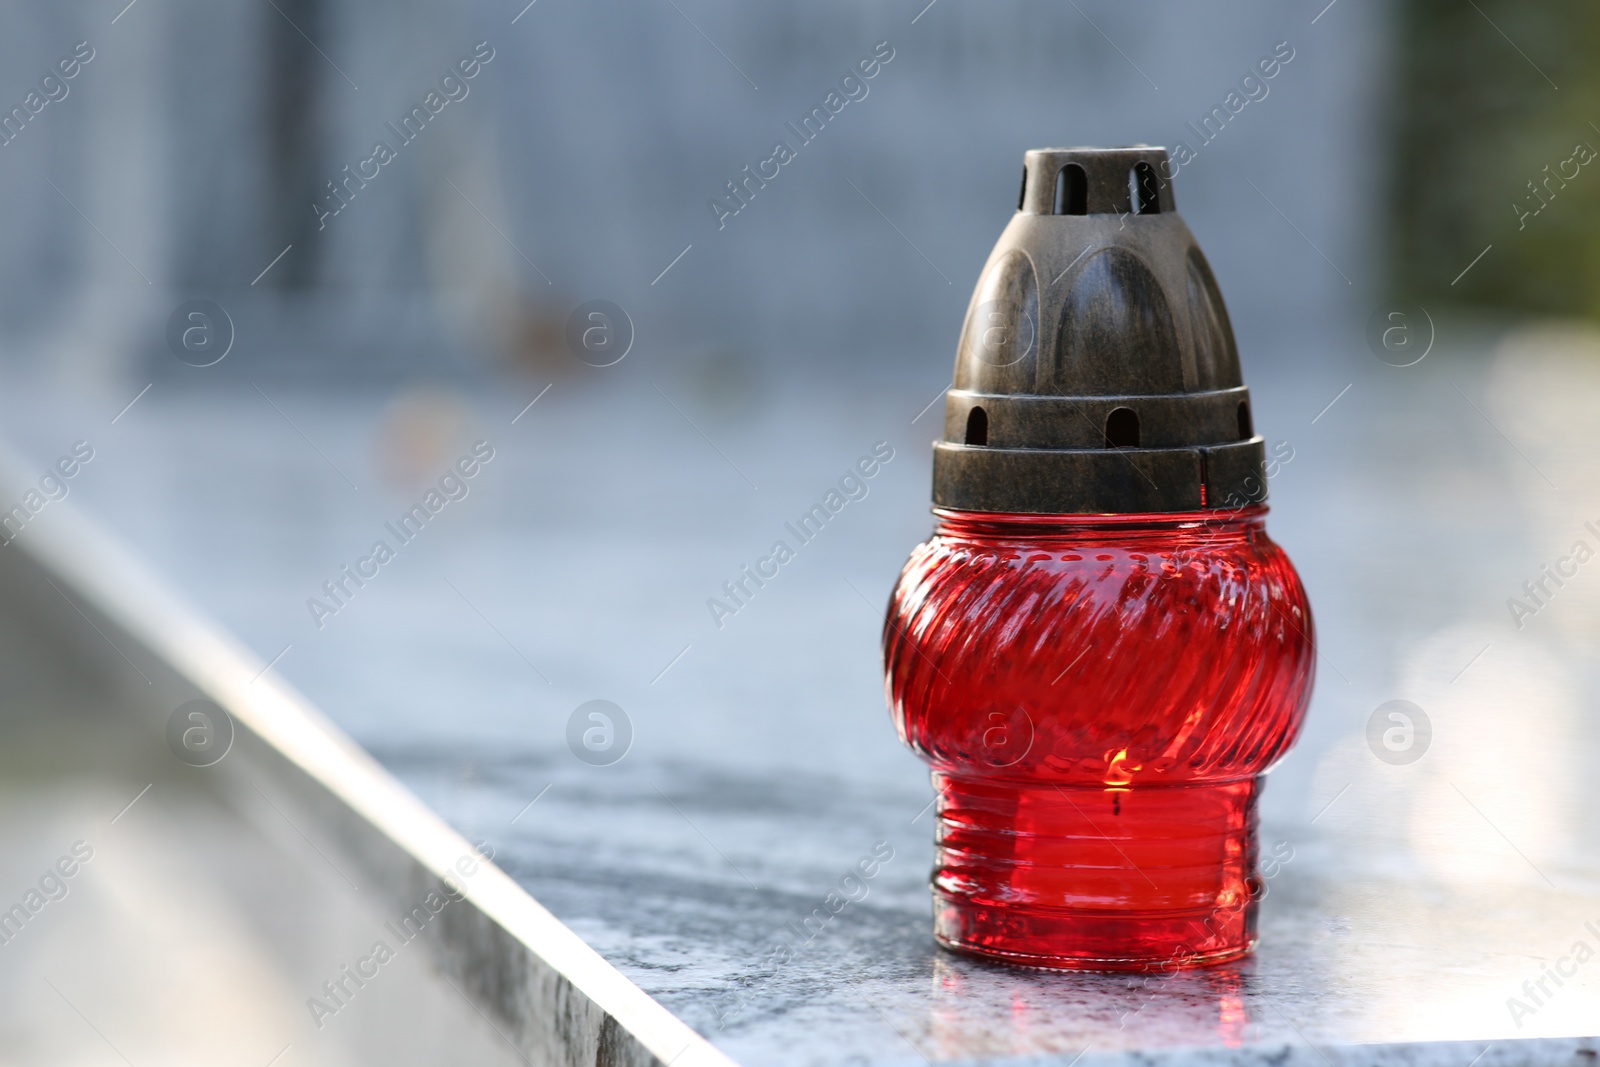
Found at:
(194, 147)
(200, 143)
(394, 219)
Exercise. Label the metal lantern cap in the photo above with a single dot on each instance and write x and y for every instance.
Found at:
(1097, 370)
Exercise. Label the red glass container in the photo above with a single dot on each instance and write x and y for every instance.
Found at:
(1098, 696)
(1100, 652)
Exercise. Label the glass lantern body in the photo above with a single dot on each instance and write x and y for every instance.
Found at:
(1099, 697)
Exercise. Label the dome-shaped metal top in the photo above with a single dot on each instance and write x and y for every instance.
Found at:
(1097, 371)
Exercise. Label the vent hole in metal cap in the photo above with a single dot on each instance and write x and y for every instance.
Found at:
(1122, 428)
(977, 427)
(1072, 191)
(1146, 193)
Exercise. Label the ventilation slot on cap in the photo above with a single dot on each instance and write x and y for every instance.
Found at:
(1072, 191)
(977, 427)
(1146, 195)
(1122, 428)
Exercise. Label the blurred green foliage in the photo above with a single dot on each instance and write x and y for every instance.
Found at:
(1490, 93)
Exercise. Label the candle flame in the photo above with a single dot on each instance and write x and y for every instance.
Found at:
(1119, 772)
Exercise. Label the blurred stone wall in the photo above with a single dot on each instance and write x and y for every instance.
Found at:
(191, 149)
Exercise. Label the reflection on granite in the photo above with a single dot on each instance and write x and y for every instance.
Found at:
(1423, 904)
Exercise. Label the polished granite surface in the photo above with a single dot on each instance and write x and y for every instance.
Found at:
(1418, 897)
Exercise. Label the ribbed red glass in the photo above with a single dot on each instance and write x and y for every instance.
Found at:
(1099, 697)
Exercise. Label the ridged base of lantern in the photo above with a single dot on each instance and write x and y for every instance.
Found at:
(1117, 879)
